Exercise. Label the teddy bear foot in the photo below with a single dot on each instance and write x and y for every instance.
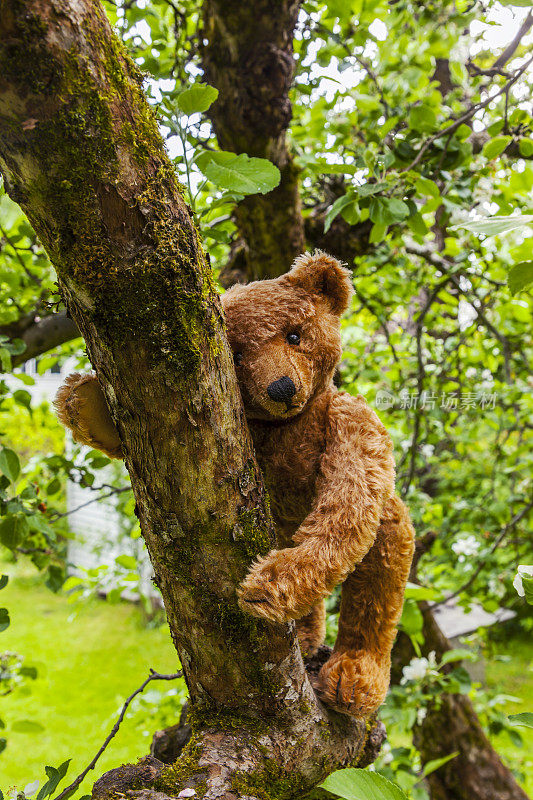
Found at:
(353, 683)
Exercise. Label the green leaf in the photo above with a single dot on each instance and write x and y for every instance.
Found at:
(29, 672)
(493, 226)
(23, 398)
(128, 562)
(417, 224)
(54, 486)
(520, 276)
(243, 174)
(416, 592)
(397, 209)
(9, 464)
(56, 577)
(458, 654)
(5, 359)
(4, 619)
(197, 99)
(527, 583)
(55, 776)
(378, 232)
(496, 146)
(27, 726)
(524, 720)
(367, 189)
(422, 118)
(336, 208)
(13, 529)
(412, 621)
(425, 186)
(323, 167)
(357, 784)
(525, 147)
(433, 765)
(524, 3)
(387, 211)
(3, 581)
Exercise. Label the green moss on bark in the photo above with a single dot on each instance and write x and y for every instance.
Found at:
(185, 773)
(270, 783)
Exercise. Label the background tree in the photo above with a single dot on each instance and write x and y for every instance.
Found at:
(421, 125)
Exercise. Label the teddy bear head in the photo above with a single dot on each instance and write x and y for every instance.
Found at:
(285, 335)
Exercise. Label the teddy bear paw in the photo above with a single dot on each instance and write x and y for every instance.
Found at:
(353, 683)
(269, 592)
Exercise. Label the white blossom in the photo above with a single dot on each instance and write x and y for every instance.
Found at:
(523, 569)
(459, 215)
(421, 715)
(467, 546)
(496, 587)
(417, 669)
(31, 788)
(386, 754)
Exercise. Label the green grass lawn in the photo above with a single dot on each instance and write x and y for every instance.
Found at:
(514, 678)
(91, 658)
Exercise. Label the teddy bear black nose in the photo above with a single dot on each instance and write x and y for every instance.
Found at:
(281, 390)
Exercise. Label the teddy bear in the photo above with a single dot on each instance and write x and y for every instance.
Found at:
(328, 465)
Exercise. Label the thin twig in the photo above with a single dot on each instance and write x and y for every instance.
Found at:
(505, 530)
(154, 676)
(88, 503)
(467, 115)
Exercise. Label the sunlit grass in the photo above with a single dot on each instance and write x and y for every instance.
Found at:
(89, 660)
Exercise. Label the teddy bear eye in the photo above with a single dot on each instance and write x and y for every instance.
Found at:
(237, 358)
(293, 338)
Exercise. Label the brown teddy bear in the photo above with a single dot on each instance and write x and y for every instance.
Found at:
(327, 462)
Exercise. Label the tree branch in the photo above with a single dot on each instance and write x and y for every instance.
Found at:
(153, 676)
(40, 334)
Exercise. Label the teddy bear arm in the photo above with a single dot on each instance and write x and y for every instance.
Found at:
(80, 405)
(356, 479)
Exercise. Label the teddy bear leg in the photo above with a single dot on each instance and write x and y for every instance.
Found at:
(311, 629)
(80, 405)
(356, 677)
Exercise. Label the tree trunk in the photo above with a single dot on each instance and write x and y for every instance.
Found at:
(247, 55)
(81, 153)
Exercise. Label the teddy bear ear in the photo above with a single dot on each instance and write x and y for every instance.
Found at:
(324, 276)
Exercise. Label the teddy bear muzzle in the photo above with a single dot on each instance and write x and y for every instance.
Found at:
(282, 390)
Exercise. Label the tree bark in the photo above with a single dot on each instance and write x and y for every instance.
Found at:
(247, 55)
(81, 153)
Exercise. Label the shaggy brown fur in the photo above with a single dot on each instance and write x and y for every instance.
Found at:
(328, 465)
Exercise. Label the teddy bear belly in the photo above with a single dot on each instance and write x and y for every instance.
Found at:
(289, 509)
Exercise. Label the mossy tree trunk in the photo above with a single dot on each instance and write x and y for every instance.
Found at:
(247, 54)
(81, 153)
